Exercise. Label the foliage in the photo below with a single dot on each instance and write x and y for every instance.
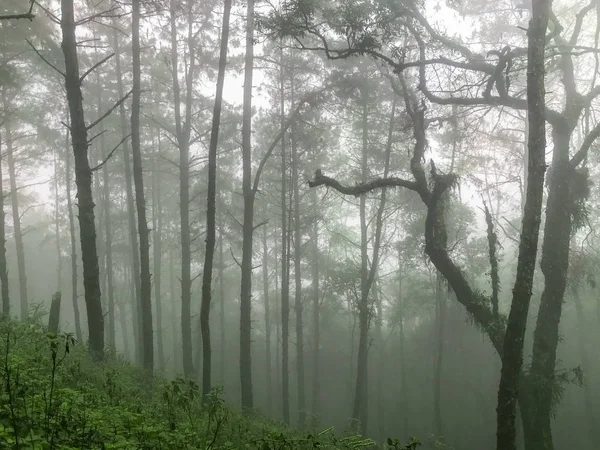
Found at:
(56, 397)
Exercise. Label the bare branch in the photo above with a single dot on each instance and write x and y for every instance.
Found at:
(107, 113)
(102, 14)
(28, 15)
(110, 154)
(311, 99)
(44, 59)
(234, 258)
(95, 136)
(587, 143)
(98, 64)
(264, 222)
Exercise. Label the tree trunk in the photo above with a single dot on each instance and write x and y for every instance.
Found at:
(177, 347)
(404, 408)
(265, 273)
(285, 268)
(361, 409)
(135, 254)
(140, 202)
(367, 274)
(277, 324)
(316, 407)
(157, 227)
(74, 282)
(211, 209)
(380, 362)
(83, 180)
(512, 359)
(554, 264)
(54, 316)
(183, 140)
(14, 198)
(108, 259)
(56, 226)
(3, 265)
(248, 223)
(222, 300)
(440, 310)
(298, 280)
(590, 415)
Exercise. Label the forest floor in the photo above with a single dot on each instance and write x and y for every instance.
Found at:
(55, 397)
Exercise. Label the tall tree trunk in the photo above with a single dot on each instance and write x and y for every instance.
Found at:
(594, 438)
(404, 408)
(277, 325)
(285, 268)
(177, 347)
(316, 406)
(135, 253)
(380, 362)
(554, 264)
(74, 282)
(222, 300)
(440, 312)
(248, 223)
(108, 259)
(157, 227)
(265, 273)
(83, 180)
(298, 279)
(211, 209)
(183, 129)
(57, 226)
(360, 411)
(3, 264)
(367, 274)
(512, 359)
(140, 202)
(14, 198)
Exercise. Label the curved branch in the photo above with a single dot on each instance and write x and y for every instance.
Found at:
(361, 188)
(587, 143)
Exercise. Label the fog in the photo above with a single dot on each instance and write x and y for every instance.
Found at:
(373, 215)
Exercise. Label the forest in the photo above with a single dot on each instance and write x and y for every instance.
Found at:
(300, 224)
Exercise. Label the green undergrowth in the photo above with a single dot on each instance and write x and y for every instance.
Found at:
(54, 397)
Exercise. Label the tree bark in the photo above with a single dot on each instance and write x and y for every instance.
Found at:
(183, 130)
(298, 279)
(316, 406)
(108, 259)
(554, 264)
(512, 359)
(14, 198)
(285, 268)
(248, 222)
(265, 273)
(594, 438)
(140, 202)
(277, 324)
(367, 274)
(74, 282)
(404, 408)
(56, 226)
(440, 310)
(54, 316)
(211, 209)
(157, 227)
(222, 301)
(3, 265)
(135, 254)
(83, 180)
